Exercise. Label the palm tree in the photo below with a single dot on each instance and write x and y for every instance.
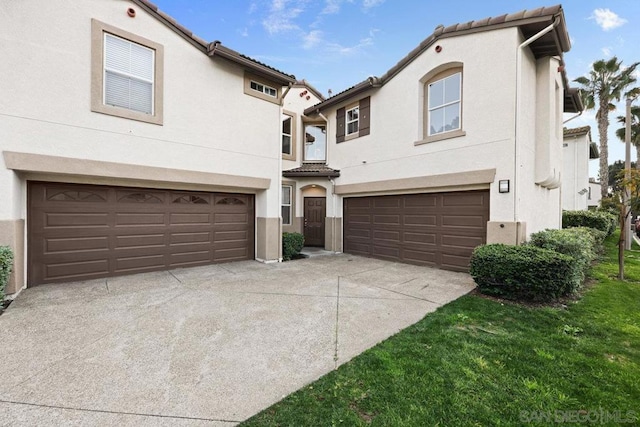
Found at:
(605, 83)
(635, 130)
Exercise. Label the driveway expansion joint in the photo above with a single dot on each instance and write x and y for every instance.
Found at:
(105, 411)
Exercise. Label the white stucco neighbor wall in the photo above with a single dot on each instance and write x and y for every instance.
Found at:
(575, 179)
(45, 107)
(595, 196)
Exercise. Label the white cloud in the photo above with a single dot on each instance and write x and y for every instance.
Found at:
(607, 19)
(606, 51)
(368, 4)
(282, 14)
(351, 50)
(244, 32)
(312, 39)
(331, 7)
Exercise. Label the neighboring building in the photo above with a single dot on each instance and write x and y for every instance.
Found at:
(127, 146)
(595, 195)
(577, 150)
(458, 144)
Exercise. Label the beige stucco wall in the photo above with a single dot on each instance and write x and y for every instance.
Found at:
(45, 107)
(575, 172)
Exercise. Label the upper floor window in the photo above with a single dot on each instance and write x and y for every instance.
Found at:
(267, 90)
(353, 120)
(127, 74)
(444, 104)
(315, 143)
(262, 88)
(129, 70)
(287, 148)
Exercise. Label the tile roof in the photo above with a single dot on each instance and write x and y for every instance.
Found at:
(206, 47)
(530, 22)
(312, 170)
(577, 131)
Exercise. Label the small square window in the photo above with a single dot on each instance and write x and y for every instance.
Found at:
(353, 121)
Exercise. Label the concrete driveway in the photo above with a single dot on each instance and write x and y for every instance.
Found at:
(201, 346)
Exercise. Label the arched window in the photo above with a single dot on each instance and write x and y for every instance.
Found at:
(442, 102)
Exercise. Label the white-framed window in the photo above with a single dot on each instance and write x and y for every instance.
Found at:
(287, 191)
(287, 140)
(444, 104)
(315, 142)
(262, 88)
(353, 120)
(129, 70)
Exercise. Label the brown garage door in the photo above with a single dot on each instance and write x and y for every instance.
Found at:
(439, 229)
(79, 232)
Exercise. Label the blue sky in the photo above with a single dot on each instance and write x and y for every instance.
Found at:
(334, 44)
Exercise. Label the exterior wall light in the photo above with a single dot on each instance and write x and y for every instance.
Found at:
(503, 186)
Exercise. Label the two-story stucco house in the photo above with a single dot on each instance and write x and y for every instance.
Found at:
(458, 144)
(125, 145)
(577, 150)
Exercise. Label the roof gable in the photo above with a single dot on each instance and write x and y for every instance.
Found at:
(530, 22)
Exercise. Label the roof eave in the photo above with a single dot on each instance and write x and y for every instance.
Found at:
(216, 49)
(371, 82)
(333, 174)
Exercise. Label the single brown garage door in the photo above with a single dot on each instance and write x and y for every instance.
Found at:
(439, 229)
(79, 232)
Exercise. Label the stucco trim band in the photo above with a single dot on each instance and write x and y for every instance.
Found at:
(39, 166)
(445, 181)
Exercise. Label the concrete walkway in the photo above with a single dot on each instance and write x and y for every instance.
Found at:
(201, 346)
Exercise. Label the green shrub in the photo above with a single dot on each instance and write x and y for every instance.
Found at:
(292, 244)
(599, 219)
(575, 242)
(524, 272)
(598, 237)
(6, 261)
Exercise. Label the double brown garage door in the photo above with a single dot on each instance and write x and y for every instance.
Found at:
(79, 232)
(439, 229)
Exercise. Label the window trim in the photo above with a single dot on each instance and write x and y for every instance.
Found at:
(294, 135)
(290, 205)
(326, 141)
(439, 73)
(249, 78)
(98, 30)
(264, 89)
(350, 135)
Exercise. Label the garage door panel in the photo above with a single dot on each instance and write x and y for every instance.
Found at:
(419, 220)
(189, 219)
(74, 219)
(421, 257)
(75, 270)
(420, 201)
(425, 238)
(439, 229)
(88, 231)
(128, 219)
(74, 244)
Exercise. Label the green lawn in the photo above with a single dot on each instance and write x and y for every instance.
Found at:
(480, 362)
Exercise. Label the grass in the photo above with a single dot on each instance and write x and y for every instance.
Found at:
(479, 362)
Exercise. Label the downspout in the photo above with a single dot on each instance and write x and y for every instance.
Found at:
(285, 94)
(574, 117)
(517, 109)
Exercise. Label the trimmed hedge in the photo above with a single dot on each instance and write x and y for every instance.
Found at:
(524, 272)
(575, 242)
(600, 220)
(292, 244)
(6, 261)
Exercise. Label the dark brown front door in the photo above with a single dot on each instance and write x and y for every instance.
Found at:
(79, 232)
(314, 213)
(439, 229)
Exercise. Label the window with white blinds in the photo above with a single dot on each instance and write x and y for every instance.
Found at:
(129, 70)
